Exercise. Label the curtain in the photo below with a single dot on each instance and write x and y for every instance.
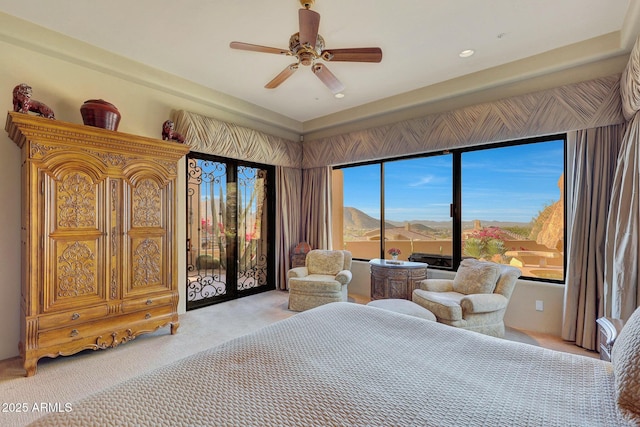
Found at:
(316, 207)
(591, 164)
(303, 213)
(621, 257)
(622, 293)
(288, 219)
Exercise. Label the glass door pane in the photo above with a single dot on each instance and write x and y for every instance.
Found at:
(252, 232)
(356, 194)
(206, 239)
(513, 207)
(417, 218)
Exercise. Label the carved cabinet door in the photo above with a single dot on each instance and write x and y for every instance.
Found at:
(74, 244)
(147, 230)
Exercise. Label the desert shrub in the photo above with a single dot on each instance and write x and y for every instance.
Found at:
(484, 244)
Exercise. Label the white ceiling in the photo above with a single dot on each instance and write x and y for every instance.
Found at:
(420, 40)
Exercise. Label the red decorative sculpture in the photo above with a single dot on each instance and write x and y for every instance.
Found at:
(168, 134)
(23, 103)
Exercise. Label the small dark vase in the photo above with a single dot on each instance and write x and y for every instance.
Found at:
(100, 113)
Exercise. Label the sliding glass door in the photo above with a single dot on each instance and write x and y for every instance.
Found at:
(230, 225)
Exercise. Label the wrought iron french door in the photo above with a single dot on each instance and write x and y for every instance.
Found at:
(230, 229)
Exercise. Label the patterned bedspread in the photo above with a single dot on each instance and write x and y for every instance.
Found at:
(345, 364)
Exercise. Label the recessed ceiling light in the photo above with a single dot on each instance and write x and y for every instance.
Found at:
(339, 95)
(466, 53)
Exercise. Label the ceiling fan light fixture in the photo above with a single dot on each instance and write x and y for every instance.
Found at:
(339, 95)
(466, 53)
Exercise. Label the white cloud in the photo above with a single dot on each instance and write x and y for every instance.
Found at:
(422, 181)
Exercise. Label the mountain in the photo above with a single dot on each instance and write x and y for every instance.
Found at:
(357, 220)
(419, 227)
(465, 224)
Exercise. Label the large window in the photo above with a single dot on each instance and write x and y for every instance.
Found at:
(502, 203)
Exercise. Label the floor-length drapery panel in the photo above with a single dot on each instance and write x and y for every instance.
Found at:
(622, 251)
(591, 162)
(630, 84)
(288, 219)
(622, 293)
(316, 207)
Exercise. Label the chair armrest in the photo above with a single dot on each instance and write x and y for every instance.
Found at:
(344, 277)
(297, 272)
(611, 328)
(436, 285)
(483, 303)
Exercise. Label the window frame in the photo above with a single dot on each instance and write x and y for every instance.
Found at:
(456, 197)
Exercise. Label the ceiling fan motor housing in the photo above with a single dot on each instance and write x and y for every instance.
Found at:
(306, 54)
(307, 3)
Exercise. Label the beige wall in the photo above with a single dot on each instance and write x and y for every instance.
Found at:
(65, 73)
(9, 244)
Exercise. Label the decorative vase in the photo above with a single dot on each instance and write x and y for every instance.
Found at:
(100, 113)
(394, 257)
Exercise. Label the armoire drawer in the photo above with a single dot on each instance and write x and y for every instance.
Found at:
(102, 327)
(71, 317)
(131, 305)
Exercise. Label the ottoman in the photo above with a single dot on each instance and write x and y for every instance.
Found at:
(403, 306)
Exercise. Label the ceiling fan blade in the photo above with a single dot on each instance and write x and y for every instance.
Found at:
(258, 48)
(362, 54)
(284, 75)
(327, 77)
(309, 23)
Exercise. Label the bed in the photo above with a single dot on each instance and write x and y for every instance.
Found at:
(344, 364)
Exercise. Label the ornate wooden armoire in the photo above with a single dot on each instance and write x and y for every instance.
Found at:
(99, 250)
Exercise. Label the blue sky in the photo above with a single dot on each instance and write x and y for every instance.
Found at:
(503, 184)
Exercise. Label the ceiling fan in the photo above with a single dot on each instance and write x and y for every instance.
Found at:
(308, 47)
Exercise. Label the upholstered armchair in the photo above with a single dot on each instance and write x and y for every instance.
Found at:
(322, 280)
(476, 299)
